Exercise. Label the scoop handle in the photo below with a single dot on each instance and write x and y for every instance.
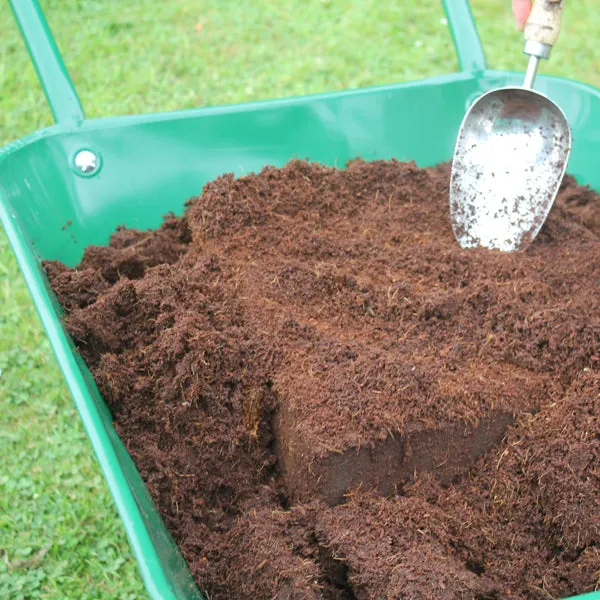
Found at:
(543, 24)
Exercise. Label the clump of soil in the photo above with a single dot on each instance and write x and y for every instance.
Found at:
(329, 399)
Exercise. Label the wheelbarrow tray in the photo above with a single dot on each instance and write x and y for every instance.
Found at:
(151, 164)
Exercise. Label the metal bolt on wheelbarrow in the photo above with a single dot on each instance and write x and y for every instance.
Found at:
(99, 173)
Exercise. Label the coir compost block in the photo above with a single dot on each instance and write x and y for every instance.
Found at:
(328, 398)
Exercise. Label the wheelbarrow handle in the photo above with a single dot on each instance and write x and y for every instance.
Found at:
(469, 50)
(64, 102)
(52, 73)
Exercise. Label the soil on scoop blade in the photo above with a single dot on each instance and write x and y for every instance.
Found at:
(328, 398)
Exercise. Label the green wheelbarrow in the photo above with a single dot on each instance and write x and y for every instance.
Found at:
(73, 170)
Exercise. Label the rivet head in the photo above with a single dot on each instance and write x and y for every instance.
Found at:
(86, 162)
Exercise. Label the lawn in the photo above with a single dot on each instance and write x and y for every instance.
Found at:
(60, 536)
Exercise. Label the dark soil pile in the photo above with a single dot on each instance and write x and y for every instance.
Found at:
(329, 399)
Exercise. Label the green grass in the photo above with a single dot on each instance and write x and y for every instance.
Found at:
(60, 536)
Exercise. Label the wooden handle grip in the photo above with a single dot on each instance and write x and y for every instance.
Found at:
(543, 24)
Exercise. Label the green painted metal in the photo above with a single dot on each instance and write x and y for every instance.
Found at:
(50, 68)
(471, 57)
(152, 163)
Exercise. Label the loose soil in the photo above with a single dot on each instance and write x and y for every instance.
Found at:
(329, 399)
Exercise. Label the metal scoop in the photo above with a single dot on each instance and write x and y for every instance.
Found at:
(511, 153)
